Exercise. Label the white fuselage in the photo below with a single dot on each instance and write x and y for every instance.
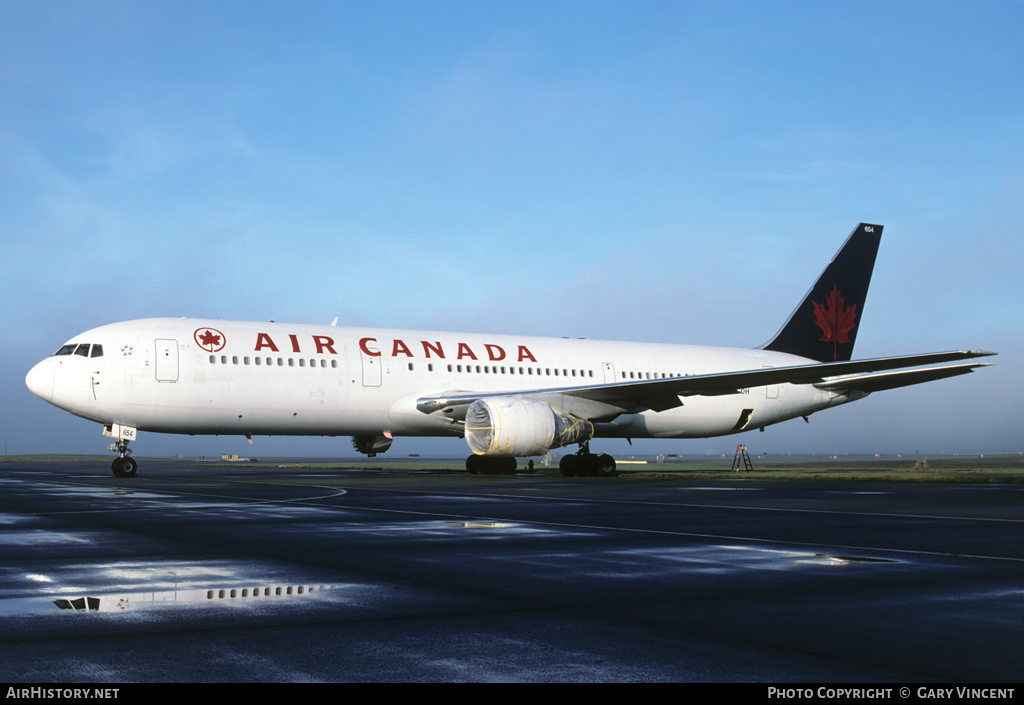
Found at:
(228, 377)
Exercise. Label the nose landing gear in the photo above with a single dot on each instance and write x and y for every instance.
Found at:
(124, 464)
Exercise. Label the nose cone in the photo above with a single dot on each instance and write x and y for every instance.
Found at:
(39, 380)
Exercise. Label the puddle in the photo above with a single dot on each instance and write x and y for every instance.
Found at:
(233, 596)
(236, 596)
(116, 586)
(734, 559)
(856, 559)
(41, 537)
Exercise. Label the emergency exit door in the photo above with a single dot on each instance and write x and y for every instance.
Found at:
(166, 360)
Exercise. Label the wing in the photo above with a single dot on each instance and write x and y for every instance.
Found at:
(892, 380)
(606, 401)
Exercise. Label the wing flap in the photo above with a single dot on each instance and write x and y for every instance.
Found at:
(893, 380)
(659, 392)
(605, 401)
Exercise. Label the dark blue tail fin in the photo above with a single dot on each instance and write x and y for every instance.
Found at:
(824, 326)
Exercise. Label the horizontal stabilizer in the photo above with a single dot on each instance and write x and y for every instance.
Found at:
(899, 378)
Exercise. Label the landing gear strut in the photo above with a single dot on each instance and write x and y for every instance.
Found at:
(585, 463)
(124, 464)
(491, 465)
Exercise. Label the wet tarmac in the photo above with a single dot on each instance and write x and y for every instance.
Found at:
(199, 573)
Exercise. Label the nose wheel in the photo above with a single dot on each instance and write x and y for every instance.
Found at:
(124, 464)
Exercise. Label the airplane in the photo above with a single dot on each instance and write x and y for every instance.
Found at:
(508, 396)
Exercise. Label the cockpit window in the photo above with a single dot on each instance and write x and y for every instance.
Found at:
(82, 349)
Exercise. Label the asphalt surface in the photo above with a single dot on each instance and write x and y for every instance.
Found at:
(199, 573)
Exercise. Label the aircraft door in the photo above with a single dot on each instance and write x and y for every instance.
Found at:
(372, 365)
(771, 390)
(166, 360)
(609, 372)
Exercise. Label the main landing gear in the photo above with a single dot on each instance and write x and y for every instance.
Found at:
(124, 464)
(585, 463)
(582, 463)
(491, 465)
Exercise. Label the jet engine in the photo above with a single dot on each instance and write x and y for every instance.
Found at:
(371, 445)
(510, 426)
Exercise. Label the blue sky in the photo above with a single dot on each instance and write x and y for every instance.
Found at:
(668, 172)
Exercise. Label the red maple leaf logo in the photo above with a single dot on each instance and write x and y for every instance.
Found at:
(209, 339)
(835, 319)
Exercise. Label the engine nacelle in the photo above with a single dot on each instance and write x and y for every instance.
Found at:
(509, 426)
(371, 445)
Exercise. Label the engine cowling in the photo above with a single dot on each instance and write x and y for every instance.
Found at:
(371, 445)
(510, 426)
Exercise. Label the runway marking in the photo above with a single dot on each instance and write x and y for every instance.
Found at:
(781, 542)
(316, 502)
(718, 489)
(336, 492)
(228, 500)
(701, 505)
(843, 512)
